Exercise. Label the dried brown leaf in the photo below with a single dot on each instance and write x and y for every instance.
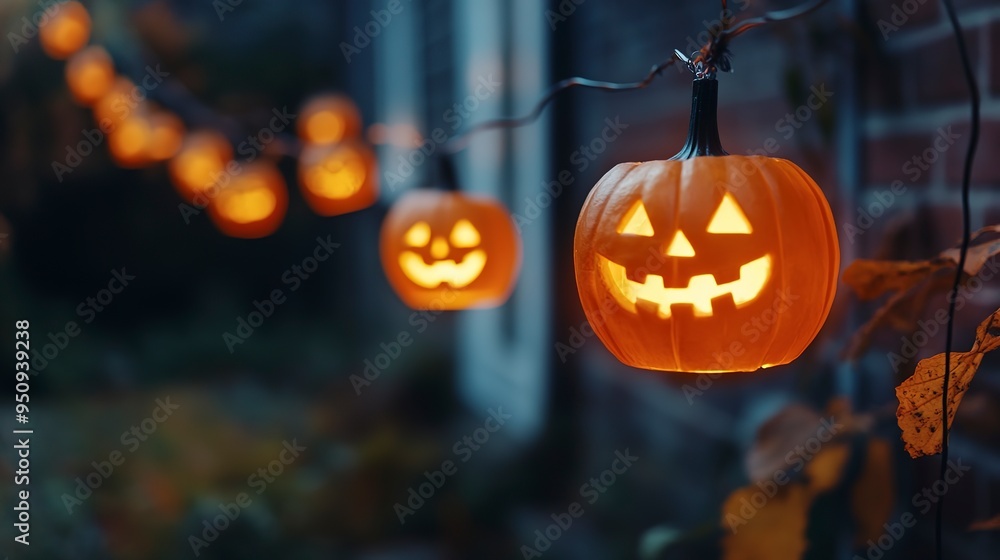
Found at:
(911, 284)
(919, 412)
(870, 279)
(873, 495)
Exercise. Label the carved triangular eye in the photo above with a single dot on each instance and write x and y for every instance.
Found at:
(636, 221)
(729, 218)
(418, 235)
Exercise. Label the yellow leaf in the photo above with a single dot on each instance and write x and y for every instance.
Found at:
(827, 467)
(919, 412)
(873, 495)
(762, 528)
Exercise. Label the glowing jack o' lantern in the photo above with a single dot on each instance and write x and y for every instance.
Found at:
(201, 162)
(129, 142)
(706, 262)
(328, 119)
(66, 31)
(90, 74)
(338, 178)
(446, 250)
(252, 204)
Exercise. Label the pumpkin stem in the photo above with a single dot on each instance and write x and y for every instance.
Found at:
(446, 173)
(703, 132)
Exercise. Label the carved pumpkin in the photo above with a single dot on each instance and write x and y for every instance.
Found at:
(90, 74)
(338, 178)
(130, 141)
(447, 250)
(706, 262)
(328, 119)
(201, 160)
(66, 31)
(252, 204)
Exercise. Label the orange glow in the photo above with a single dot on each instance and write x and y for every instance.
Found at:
(90, 75)
(117, 105)
(448, 250)
(329, 119)
(339, 178)
(66, 31)
(201, 159)
(129, 143)
(167, 134)
(252, 204)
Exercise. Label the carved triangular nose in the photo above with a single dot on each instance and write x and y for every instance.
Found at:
(680, 246)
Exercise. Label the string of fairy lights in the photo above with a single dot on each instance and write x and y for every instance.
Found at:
(444, 249)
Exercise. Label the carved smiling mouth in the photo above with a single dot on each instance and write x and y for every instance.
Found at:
(699, 293)
(457, 275)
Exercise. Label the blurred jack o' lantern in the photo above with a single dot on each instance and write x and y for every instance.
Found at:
(448, 250)
(338, 178)
(201, 162)
(90, 75)
(328, 119)
(706, 262)
(252, 204)
(66, 30)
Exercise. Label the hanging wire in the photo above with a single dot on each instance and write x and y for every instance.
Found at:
(703, 63)
(461, 140)
(970, 155)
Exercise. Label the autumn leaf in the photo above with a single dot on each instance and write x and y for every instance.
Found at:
(769, 529)
(873, 494)
(910, 284)
(870, 279)
(920, 410)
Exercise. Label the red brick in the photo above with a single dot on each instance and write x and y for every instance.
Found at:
(986, 167)
(904, 14)
(885, 158)
(937, 69)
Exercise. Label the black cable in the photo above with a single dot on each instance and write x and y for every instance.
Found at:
(714, 52)
(461, 140)
(970, 155)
